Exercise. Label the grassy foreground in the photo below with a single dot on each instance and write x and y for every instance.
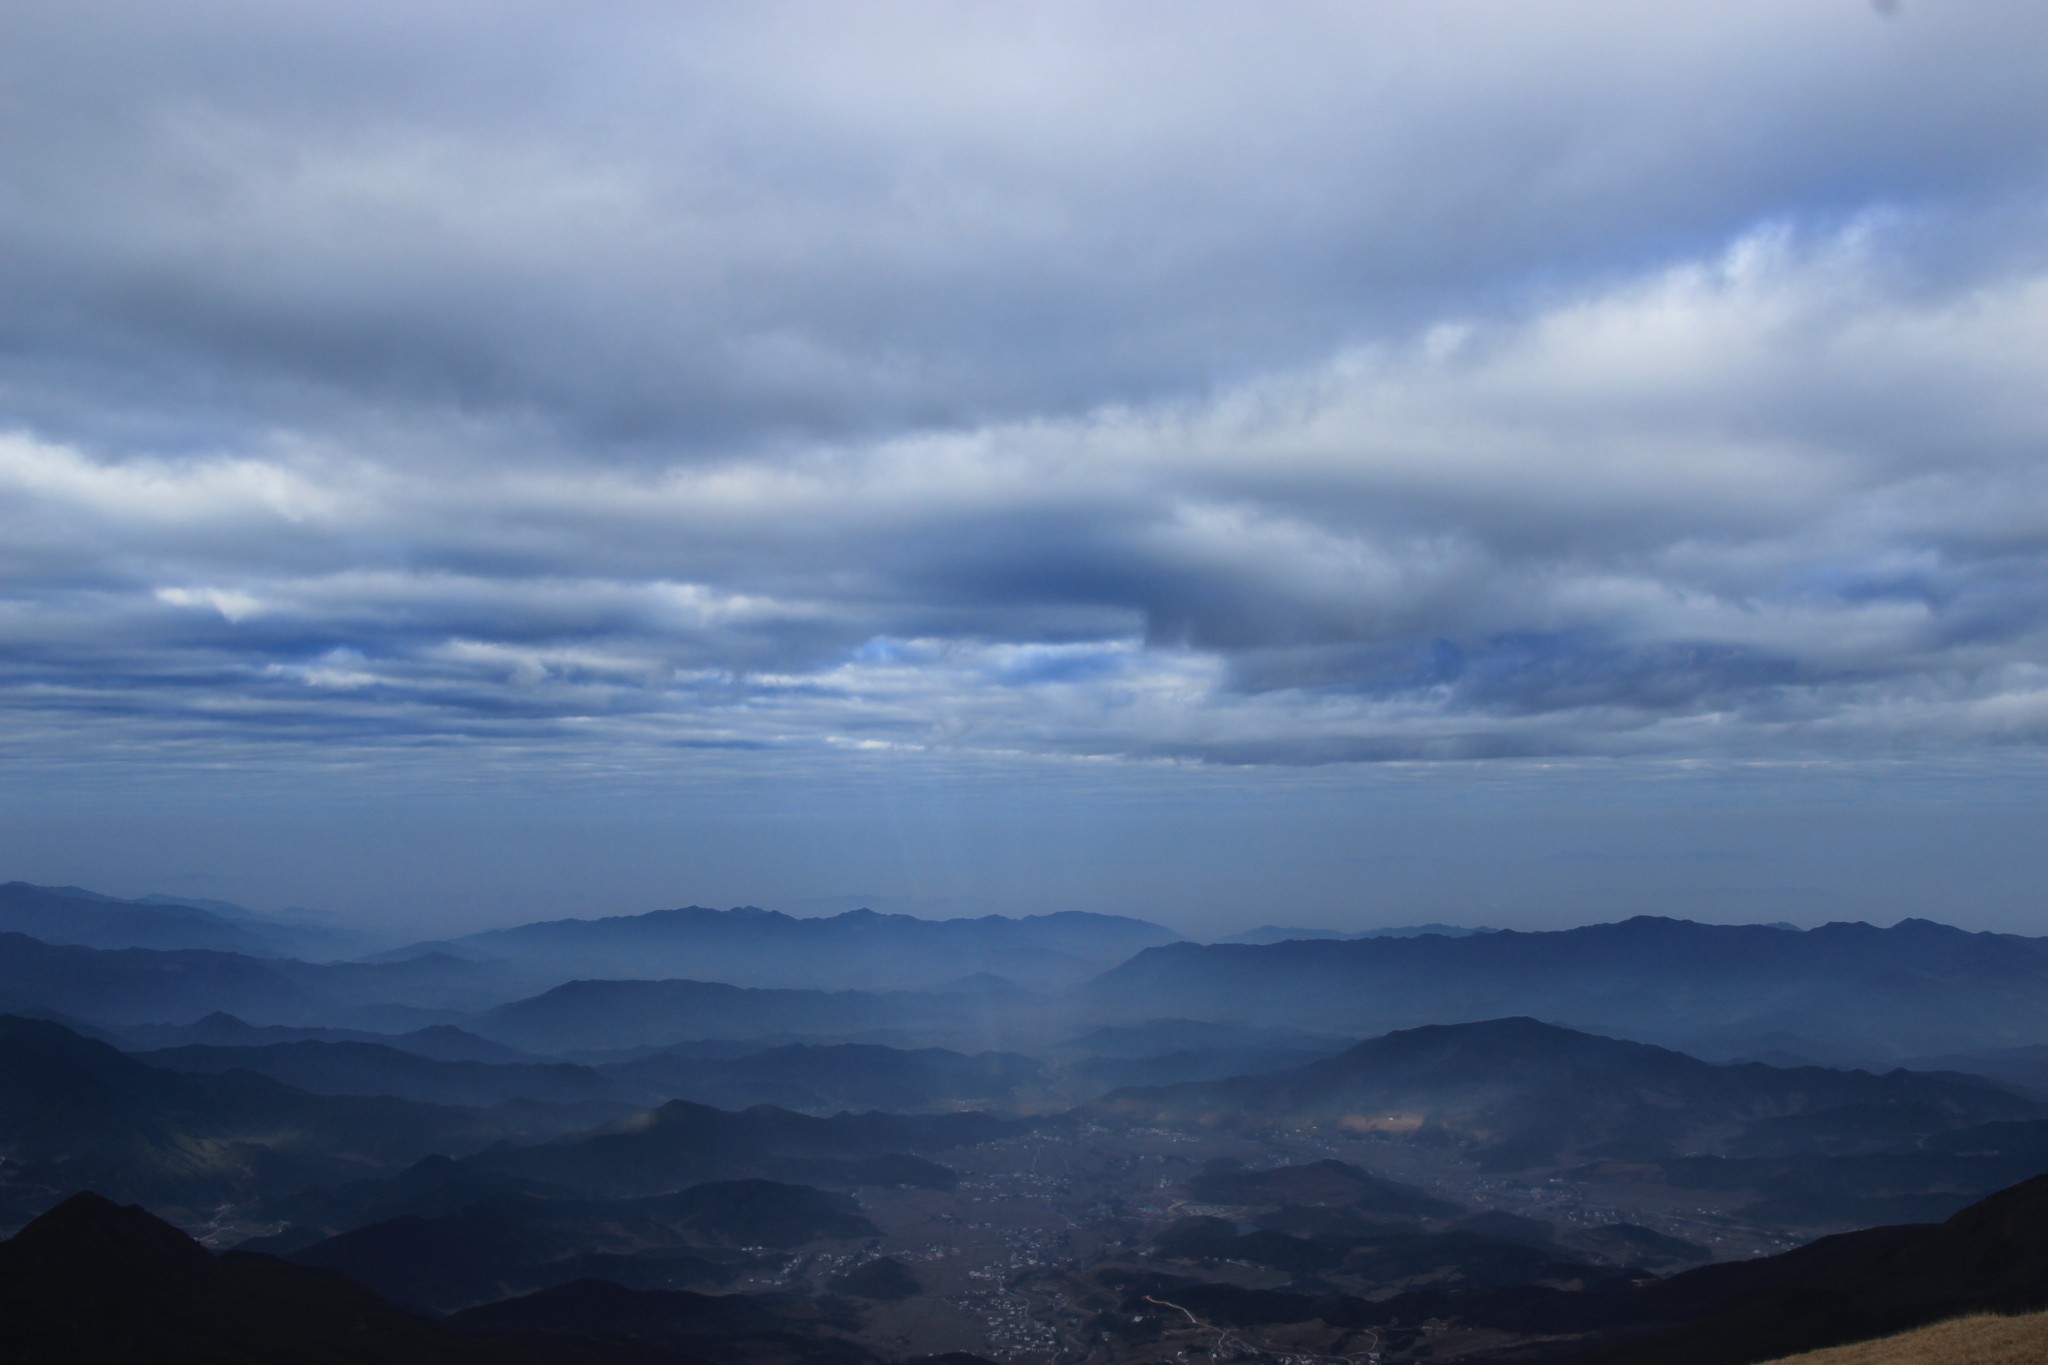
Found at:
(1982, 1339)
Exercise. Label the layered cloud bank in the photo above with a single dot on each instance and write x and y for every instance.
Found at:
(1277, 387)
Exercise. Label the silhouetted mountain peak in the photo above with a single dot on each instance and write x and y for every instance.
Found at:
(89, 1230)
(92, 1280)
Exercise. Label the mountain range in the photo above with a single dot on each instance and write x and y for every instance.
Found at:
(1842, 994)
(860, 948)
(1281, 933)
(71, 914)
(1055, 1136)
(1717, 990)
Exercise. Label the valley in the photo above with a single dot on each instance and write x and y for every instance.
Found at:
(669, 1169)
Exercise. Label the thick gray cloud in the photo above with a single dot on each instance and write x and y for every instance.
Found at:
(1256, 386)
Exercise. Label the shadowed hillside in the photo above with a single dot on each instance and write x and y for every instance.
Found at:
(1991, 1257)
(93, 1281)
(75, 1114)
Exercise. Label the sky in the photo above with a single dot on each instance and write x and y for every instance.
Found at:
(1331, 464)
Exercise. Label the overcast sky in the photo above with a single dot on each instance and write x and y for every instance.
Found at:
(1227, 463)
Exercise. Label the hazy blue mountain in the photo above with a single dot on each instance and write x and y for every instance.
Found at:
(73, 915)
(1915, 988)
(1521, 1094)
(2025, 1067)
(751, 947)
(1280, 933)
(139, 985)
(594, 1015)
(123, 987)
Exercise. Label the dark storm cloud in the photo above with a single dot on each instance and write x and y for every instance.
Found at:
(671, 232)
(1299, 385)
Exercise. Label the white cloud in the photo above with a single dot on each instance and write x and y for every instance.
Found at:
(1349, 383)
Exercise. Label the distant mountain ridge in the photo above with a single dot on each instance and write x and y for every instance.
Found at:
(117, 987)
(1281, 933)
(753, 947)
(608, 1015)
(1913, 989)
(74, 915)
(1842, 994)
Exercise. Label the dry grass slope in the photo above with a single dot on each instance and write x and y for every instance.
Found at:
(1982, 1339)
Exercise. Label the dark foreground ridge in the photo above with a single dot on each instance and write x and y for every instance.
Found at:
(93, 1281)
(1992, 1257)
